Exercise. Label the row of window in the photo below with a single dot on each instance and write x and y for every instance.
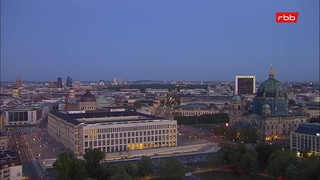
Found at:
(141, 133)
(142, 139)
(130, 147)
(148, 127)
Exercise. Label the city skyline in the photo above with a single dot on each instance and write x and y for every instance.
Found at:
(189, 41)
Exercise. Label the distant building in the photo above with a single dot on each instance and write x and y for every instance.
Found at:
(15, 93)
(76, 85)
(69, 82)
(26, 114)
(10, 166)
(111, 131)
(120, 81)
(2, 121)
(245, 85)
(4, 140)
(19, 82)
(194, 110)
(88, 101)
(306, 138)
(115, 81)
(59, 82)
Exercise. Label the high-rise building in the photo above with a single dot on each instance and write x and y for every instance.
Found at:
(245, 85)
(115, 82)
(120, 81)
(18, 82)
(59, 82)
(69, 81)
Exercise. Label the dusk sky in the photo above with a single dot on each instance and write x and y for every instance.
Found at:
(158, 39)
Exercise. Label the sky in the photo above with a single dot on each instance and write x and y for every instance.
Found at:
(205, 40)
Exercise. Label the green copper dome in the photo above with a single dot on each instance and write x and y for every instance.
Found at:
(266, 106)
(272, 88)
(236, 97)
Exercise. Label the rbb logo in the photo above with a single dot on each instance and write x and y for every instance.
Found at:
(287, 17)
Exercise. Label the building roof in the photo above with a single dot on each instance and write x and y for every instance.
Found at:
(266, 106)
(8, 157)
(309, 128)
(236, 97)
(74, 118)
(272, 87)
(87, 97)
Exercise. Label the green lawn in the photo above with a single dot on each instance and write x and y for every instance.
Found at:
(220, 175)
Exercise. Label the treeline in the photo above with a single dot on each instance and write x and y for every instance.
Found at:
(246, 135)
(278, 162)
(203, 119)
(143, 87)
(68, 166)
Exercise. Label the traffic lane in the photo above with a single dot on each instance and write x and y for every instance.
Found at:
(25, 160)
(50, 148)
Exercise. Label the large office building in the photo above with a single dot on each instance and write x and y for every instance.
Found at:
(111, 131)
(59, 82)
(26, 114)
(306, 138)
(245, 85)
(69, 82)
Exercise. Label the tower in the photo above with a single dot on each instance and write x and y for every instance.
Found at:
(69, 81)
(18, 82)
(59, 83)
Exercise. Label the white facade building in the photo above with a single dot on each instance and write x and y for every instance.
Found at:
(306, 138)
(26, 115)
(111, 131)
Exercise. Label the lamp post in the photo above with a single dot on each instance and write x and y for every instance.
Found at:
(318, 135)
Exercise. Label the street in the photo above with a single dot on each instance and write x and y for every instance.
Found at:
(22, 144)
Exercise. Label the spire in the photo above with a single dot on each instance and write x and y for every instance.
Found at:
(271, 75)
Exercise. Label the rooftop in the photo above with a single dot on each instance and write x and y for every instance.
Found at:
(7, 155)
(105, 117)
(309, 128)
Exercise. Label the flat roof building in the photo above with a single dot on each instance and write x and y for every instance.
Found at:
(306, 138)
(111, 131)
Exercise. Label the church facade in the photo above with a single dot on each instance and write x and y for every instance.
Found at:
(270, 113)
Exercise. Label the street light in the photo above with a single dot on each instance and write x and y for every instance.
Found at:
(318, 135)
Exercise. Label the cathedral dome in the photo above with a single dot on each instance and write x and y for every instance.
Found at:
(87, 97)
(236, 97)
(266, 106)
(272, 88)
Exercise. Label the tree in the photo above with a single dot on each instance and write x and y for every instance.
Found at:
(292, 172)
(245, 159)
(121, 174)
(279, 161)
(265, 150)
(131, 169)
(92, 158)
(226, 148)
(64, 165)
(79, 170)
(145, 166)
(172, 168)
(137, 104)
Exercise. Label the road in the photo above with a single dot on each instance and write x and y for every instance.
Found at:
(19, 141)
(186, 129)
